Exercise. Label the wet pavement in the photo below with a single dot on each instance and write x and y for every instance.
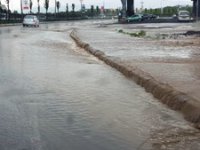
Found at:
(53, 95)
(173, 59)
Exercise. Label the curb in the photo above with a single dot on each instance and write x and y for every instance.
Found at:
(176, 100)
(17, 24)
(8, 25)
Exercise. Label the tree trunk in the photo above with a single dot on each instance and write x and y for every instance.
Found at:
(46, 14)
(8, 12)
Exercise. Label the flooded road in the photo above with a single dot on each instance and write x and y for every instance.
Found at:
(173, 60)
(55, 96)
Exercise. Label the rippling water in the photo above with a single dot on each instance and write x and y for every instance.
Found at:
(59, 98)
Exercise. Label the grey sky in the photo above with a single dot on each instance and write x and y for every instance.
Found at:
(15, 4)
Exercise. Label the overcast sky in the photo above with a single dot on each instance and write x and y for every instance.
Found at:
(15, 4)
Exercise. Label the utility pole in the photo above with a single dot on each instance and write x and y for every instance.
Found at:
(21, 7)
(197, 10)
(142, 6)
(81, 5)
(162, 7)
(38, 7)
(55, 7)
(161, 10)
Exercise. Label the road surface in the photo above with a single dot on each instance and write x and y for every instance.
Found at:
(55, 96)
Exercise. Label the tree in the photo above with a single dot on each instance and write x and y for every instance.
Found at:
(145, 10)
(157, 11)
(92, 10)
(1, 10)
(97, 10)
(46, 6)
(38, 6)
(67, 8)
(31, 5)
(8, 5)
(73, 7)
(55, 7)
(15, 12)
(58, 5)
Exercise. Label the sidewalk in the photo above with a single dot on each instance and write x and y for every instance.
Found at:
(171, 62)
(10, 24)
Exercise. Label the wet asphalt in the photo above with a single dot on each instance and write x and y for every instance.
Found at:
(55, 96)
(163, 52)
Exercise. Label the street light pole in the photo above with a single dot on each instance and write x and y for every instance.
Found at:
(197, 10)
(161, 10)
(81, 4)
(55, 7)
(162, 1)
(21, 9)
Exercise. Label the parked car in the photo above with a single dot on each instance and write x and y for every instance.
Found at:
(138, 17)
(31, 20)
(2, 16)
(174, 16)
(184, 15)
(42, 18)
(153, 16)
(102, 16)
(146, 17)
(149, 16)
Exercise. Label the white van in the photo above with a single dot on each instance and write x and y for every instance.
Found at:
(184, 15)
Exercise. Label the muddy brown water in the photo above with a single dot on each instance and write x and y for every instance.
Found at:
(53, 95)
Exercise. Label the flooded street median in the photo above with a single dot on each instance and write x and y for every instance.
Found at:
(55, 95)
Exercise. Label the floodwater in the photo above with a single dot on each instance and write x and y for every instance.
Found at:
(55, 96)
(173, 60)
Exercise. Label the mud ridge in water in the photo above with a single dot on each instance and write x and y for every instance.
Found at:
(191, 32)
(176, 100)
